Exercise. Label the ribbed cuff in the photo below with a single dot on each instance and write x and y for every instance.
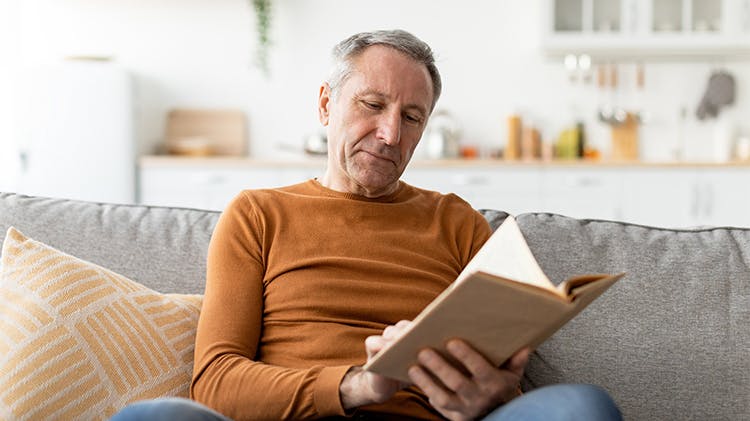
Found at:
(326, 393)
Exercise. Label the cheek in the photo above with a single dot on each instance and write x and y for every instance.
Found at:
(411, 140)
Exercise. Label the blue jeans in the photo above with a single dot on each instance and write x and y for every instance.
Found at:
(550, 403)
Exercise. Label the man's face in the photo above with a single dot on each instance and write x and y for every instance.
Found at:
(375, 121)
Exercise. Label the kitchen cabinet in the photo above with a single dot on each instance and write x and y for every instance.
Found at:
(720, 197)
(646, 28)
(513, 190)
(688, 197)
(210, 187)
(583, 192)
(660, 197)
(667, 195)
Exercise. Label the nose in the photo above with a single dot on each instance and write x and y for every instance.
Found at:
(389, 128)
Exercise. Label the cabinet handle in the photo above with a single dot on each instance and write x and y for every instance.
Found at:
(23, 159)
(471, 180)
(708, 200)
(209, 178)
(587, 182)
(695, 205)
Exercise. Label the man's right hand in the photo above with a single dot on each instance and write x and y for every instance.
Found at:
(359, 387)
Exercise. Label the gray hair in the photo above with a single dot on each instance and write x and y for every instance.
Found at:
(345, 51)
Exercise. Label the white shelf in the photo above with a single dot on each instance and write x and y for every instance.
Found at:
(656, 46)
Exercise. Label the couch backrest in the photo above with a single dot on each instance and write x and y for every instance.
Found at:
(671, 340)
(162, 248)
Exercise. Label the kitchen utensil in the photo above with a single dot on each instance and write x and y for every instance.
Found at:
(316, 144)
(571, 65)
(719, 92)
(625, 139)
(442, 136)
(609, 112)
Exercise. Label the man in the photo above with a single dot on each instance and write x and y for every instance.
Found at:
(306, 282)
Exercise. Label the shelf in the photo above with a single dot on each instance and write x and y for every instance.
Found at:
(657, 46)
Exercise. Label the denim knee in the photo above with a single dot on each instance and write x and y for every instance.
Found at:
(168, 409)
(593, 400)
(560, 402)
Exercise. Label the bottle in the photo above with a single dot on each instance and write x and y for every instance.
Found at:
(580, 139)
(513, 146)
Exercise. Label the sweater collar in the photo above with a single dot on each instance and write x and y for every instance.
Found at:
(389, 198)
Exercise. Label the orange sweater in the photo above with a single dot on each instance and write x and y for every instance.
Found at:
(299, 276)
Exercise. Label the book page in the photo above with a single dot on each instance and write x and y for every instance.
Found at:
(507, 254)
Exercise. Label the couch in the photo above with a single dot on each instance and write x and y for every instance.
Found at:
(671, 340)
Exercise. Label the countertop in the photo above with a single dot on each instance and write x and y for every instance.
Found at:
(146, 161)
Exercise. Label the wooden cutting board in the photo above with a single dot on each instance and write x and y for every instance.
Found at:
(224, 132)
(625, 139)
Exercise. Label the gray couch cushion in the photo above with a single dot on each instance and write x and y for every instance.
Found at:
(162, 248)
(671, 340)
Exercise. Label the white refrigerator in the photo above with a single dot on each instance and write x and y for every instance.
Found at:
(75, 135)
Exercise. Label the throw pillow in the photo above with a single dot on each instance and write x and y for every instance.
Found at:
(78, 341)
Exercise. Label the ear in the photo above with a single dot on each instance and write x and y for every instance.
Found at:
(324, 102)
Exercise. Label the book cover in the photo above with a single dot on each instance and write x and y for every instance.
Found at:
(501, 302)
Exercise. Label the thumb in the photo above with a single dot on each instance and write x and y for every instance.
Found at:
(518, 361)
(373, 345)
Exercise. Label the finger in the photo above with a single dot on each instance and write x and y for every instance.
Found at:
(439, 397)
(373, 345)
(391, 332)
(451, 376)
(395, 331)
(403, 323)
(476, 364)
(517, 362)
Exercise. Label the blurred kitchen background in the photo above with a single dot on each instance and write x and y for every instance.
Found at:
(617, 109)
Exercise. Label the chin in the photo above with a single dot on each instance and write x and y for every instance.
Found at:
(376, 183)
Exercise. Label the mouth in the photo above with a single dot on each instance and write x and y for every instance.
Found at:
(381, 157)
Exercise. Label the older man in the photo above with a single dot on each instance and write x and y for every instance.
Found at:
(307, 282)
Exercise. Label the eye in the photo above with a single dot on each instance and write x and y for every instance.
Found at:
(372, 105)
(413, 118)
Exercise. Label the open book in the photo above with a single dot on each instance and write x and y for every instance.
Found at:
(501, 302)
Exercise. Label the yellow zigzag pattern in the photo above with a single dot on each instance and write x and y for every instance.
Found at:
(78, 341)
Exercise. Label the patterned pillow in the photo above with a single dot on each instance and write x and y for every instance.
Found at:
(78, 341)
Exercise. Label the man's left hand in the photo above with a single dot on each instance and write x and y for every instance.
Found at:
(471, 391)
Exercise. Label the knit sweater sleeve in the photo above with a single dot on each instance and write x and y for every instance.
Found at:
(226, 375)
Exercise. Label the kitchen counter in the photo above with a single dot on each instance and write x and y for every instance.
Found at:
(316, 162)
(665, 193)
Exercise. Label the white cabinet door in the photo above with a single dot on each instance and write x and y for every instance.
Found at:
(583, 192)
(211, 188)
(646, 28)
(723, 196)
(679, 196)
(688, 197)
(662, 197)
(514, 189)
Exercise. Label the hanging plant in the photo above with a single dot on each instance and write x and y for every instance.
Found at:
(263, 25)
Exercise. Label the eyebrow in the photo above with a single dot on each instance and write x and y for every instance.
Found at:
(370, 91)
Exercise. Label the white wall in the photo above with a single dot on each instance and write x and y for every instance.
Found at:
(9, 52)
(198, 53)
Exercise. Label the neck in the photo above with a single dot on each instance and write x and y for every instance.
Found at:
(352, 187)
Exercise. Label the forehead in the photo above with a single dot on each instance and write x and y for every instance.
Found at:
(392, 74)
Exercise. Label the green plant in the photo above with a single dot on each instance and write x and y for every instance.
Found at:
(263, 25)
